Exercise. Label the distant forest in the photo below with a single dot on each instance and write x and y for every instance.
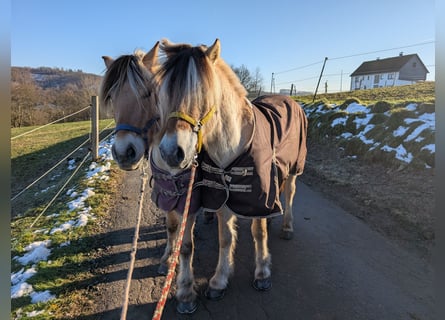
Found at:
(42, 95)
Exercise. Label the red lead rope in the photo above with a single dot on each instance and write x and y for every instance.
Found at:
(175, 254)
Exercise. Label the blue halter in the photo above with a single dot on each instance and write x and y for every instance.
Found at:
(142, 132)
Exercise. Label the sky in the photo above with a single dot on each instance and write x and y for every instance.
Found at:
(288, 38)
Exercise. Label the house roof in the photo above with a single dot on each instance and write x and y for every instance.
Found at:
(393, 64)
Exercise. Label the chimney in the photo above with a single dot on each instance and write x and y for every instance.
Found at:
(401, 54)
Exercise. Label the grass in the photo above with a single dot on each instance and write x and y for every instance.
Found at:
(388, 109)
(69, 270)
(34, 154)
(403, 94)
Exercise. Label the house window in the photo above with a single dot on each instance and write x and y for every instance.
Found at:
(414, 64)
(391, 75)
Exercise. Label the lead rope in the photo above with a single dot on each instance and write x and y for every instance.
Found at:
(175, 254)
(144, 179)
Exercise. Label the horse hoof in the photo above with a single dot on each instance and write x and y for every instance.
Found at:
(163, 269)
(187, 307)
(214, 294)
(262, 284)
(286, 235)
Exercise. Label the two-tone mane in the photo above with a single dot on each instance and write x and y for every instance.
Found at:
(126, 68)
(190, 77)
(129, 87)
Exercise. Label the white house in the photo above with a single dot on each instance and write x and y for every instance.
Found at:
(389, 72)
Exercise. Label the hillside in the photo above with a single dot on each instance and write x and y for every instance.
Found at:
(41, 95)
(372, 152)
(54, 78)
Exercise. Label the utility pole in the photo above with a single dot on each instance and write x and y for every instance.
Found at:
(95, 127)
(272, 84)
(341, 80)
(321, 74)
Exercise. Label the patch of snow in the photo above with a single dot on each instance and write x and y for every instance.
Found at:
(401, 153)
(41, 296)
(34, 313)
(337, 121)
(400, 131)
(416, 132)
(430, 147)
(63, 227)
(21, 289)
(22, 275)
(411, 107)
(72, 164)
(346, 135)
(36, 251)
(355, 108)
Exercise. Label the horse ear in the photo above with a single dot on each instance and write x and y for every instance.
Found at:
(108, 61)
(150, 59)
(214, 51)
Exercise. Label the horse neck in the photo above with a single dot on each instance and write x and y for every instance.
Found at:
(232, 133)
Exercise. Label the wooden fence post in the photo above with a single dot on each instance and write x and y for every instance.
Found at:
(94, 127)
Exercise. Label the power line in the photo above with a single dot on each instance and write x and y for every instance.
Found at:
(302, 67)
(383, 50)
(355, 55)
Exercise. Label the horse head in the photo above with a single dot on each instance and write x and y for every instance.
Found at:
(129, 87)
(187, 99)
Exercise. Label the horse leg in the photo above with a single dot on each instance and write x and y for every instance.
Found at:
(227, 243)
(185, 281)
(290, 187)
(172, 222)
(262, 280)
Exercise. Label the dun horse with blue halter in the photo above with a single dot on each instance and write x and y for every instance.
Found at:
(129, 88)
(250, 152)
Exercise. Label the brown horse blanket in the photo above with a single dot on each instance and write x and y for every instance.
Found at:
(250, 185)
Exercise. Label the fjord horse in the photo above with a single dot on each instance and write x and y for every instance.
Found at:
(130, 88)
(250, 152)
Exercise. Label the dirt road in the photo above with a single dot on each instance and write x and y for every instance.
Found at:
(336, 267)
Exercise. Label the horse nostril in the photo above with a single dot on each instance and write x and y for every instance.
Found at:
(131, 153)
(180, 154)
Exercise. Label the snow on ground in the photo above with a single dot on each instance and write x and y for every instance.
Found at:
(41, 250)
(363, 116)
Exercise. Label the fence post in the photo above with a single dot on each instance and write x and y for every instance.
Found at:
(94, 127)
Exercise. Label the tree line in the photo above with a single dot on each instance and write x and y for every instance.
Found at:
(42, 95)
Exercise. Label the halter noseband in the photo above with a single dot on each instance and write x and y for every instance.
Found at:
(141, 132)
(196, 124)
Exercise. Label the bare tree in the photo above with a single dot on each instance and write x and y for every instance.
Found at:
(251, 81)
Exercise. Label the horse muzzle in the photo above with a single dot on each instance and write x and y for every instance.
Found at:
(128, 151)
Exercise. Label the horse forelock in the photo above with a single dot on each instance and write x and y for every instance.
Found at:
(188, 81)
(126, 68)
